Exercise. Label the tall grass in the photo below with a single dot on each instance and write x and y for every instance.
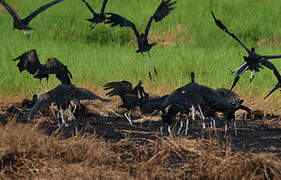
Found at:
(188, 40)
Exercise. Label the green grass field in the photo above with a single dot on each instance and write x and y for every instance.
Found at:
(188, 40)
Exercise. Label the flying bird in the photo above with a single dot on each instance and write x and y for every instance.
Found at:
(22, 24)
(97, 18)
(29, 61)
(143, 46)
(253, 62)
(62, 96)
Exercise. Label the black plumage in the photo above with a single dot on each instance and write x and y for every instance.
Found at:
(29, 103)
(253, 62)
(62, 96)
(29, 61)
(97, 17)
(143, 46)
(22, 24)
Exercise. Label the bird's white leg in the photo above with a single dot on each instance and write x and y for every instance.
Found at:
(186, 126)
(169, 130)
(193, 112)
(252, 77)
(58, 118)
(225, 128)
(128, 117)
(202, 116)
(62, 117)
(147, 65)
(71, 113)
(181, 125)
(235, 128)
(155, 71)
(27, 34)
(161, 130)
(214, 123)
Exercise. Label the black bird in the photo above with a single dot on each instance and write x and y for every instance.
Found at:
(97, 18)
(29, 103)
(163, 10)
(254, 62)
(22, 24)
(62, 96)
(29, 61)
(130, 96)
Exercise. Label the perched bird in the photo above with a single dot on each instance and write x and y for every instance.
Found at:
(62, 96)
(130, 96)
(29, 103)
(97, 18)
(163, 10)
(22, 24)
(254, 62)
(29, 61)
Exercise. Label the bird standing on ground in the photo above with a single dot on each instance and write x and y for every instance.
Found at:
(162, 11)
(253, 61)
(29, 61)
(130, 96)
(22, 24)
(97, 18)
(62, 96)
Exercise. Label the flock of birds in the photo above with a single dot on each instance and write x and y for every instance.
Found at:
(188, 101)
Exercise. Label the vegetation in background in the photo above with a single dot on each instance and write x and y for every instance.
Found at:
(187, 40)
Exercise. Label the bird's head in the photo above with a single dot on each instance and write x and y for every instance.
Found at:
(253, 49)
(192, 75)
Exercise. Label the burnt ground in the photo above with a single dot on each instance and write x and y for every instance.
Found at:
(259, 132)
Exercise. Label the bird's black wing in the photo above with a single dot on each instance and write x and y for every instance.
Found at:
(39, 10)
(89, 7)
(103, 6)
(54, 66)
(222, 27)
(240, 71)
(29, 61)
(12, 12)
(162, 11)
(85, 94)
(115, 19)
(270, 57)
(118, 88)
(45, 100)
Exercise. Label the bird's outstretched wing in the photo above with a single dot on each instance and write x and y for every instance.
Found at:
(39, 10)
(115, 19)
(270, 57)
(271, 66)
(11, 10)
(85, 94)
(29, 61)
(222, 27)
(45, 100)
(103, 6)
(89, 7)
(239, 72)
(118, 88)
(54, 66)
(162, 11)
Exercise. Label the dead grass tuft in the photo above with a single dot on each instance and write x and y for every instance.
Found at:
(273, 41)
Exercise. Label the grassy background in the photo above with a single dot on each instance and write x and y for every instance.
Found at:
(188, 40)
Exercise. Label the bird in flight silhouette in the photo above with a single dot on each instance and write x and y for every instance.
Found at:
(29, 61)
(22, 24)
(97, 18)
(143, 46)
(253, 62)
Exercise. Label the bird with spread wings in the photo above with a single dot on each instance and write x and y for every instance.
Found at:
(97, 17)
(22, 24)
(143, 46)
(253, 62)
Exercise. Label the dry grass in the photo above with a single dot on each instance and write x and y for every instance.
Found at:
(25, 152)
(274, 41)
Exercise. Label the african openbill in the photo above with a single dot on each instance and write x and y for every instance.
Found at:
(29, 61)
(253, 62)
(162, 11)
(97, 18)
(61, 96)
(22, 24)
(130, 96)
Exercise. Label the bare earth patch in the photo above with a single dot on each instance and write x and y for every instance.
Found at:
(274, 41)
(100, 144)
